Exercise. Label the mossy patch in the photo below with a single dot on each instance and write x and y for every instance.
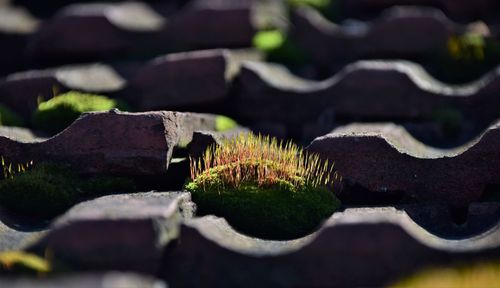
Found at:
(465, 276)
(466, 58)
(46, 190)
(59, 112)
(278, 47)
(269, 40)
(321, 5)
(275, 212)
(9, 118)
(223, 123)
(19, 262)
(263, 187)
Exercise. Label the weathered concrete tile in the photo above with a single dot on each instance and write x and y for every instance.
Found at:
(21, 91)
(400, 32)
(93, 31)
(163, 83)
(358, 247)
(16, 27)
(97, 31)
(167, 82)
(106, 142)
(407, 90)
(114, 142)
(460, 10)
(86, 280)
(182, 79)
(126, 232)
(388, 159)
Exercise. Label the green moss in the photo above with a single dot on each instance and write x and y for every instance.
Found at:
(486, 274)
(278, 212)
(468, 47)
(223, 123)
(59, 112)
(320, 5)
(269, 40)
(9, 118)
(264, 187)
(107, 184)
(14, 262)
(466, 58)
(43, 191)
(278, 48)
(47, 189)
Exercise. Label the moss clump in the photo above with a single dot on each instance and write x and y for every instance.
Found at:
(264, 188)
(223, 123)
(22, 262)
(278, 48)
(469, 47)
(273, 213)
(479, 275)
(100, 185)
(320, 5)
(59, 112)
(9, 118)
(269, 40)
(46, 190)
(467, 57)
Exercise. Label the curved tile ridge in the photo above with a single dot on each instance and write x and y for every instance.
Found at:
(167, 81)
(375, 238)
(399, 139)
(486, 240)
(96, 233)
(86, 279)
(96, 77)
(280, 77)
(460, 10)
(17, 20)
(422, 79)
(113, 142)
(106, 31)
(407, 89)
(17, 27)
(21, 91)
(406, 32)
(378, 162)
(132, 15)
(217, 230)
(154, 85)
(356, 28)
